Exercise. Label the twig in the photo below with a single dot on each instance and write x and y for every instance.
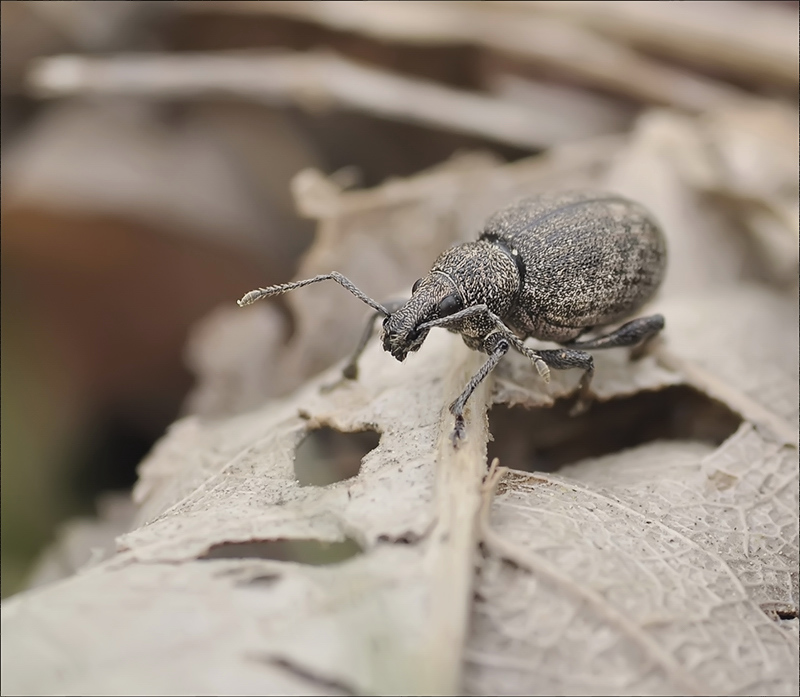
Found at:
(757, 41)
(311, 80)
(458, 500)
(546, 41)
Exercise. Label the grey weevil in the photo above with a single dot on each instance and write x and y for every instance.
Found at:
(551, 267)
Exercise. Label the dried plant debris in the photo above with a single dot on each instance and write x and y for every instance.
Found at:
(317, 82)
(123, 159)
(656, 561)
(747, 41)
(647, 572)
(530, 38)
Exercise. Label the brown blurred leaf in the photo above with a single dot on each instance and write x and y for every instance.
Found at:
(139, 227)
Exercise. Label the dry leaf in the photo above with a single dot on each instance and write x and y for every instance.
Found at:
(663, 562)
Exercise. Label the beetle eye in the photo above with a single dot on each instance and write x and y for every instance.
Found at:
(450, 304)
(416, 285)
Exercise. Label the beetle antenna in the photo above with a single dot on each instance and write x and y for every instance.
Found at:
(343, 281)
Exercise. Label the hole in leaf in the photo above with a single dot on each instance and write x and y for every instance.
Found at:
(545, 439)
(779, 611)
(326, 455)
(314, 552)
(408, 538)
(263, 581)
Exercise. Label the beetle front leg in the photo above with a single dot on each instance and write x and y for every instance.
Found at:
(563, 359)
(497, 347)
(350, 370)
(454, 320)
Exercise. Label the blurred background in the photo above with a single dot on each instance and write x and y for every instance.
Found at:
(149, 151)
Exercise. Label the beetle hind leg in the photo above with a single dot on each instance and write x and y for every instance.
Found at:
(636, 332)
(563, 359)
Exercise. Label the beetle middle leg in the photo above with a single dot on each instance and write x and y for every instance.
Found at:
(573, 355)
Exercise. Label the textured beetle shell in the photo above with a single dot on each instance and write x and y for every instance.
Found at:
(590, 259)
(481, 274)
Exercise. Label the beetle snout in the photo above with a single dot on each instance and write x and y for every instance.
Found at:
(400, 338)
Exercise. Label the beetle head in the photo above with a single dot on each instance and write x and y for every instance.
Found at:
(432, 296)
(474, 273)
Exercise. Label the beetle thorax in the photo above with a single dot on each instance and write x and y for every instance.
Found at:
(475, 273)
(483, 273)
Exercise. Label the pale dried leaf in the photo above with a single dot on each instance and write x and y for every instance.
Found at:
(234, 482)
(85, 541)
(651, 565)
(657, 570)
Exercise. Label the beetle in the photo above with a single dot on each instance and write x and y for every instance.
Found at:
(552, 267)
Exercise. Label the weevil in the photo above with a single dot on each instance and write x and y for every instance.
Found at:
(552, 267)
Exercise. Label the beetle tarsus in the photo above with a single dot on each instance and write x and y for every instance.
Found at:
(542, 369)
(581, 406)
(459, 431)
